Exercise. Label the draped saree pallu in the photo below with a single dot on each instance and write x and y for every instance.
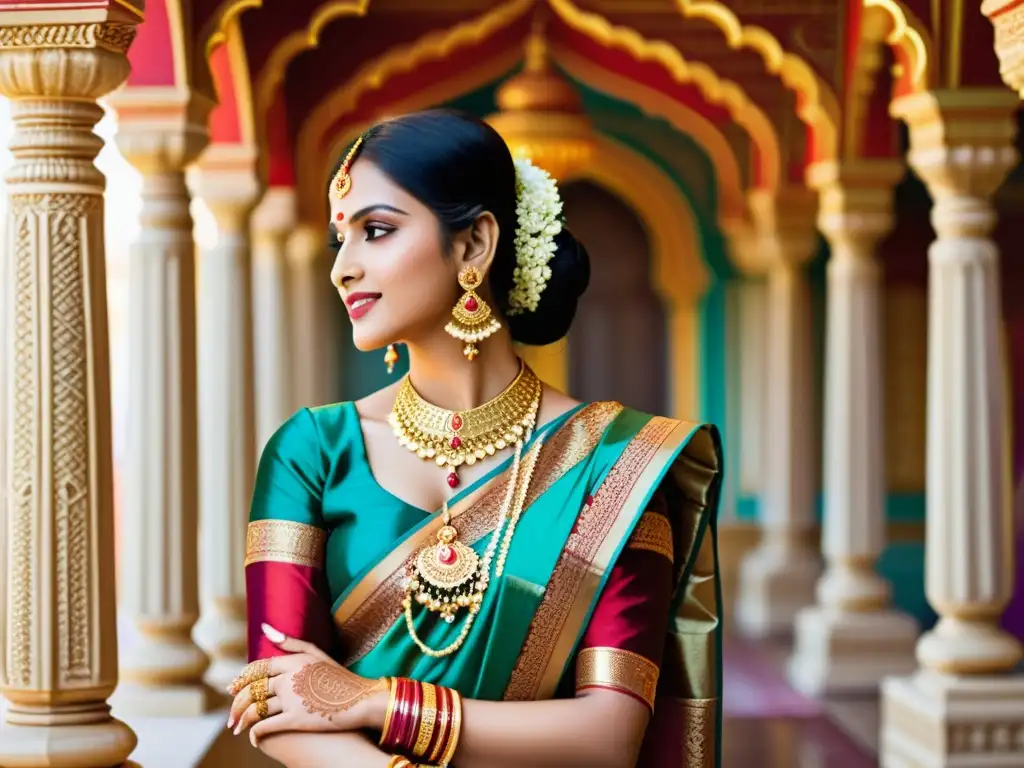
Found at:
(610, 582)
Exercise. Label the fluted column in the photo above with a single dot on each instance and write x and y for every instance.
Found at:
(225, 177)
(1007, 17)
(777, 578)
(273, 222)
(161, 131)
(309, 285)
(59, 624)
(963, 707)
(851, 638)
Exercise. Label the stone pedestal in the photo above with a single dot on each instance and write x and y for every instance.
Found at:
(964, 708)
(851, 638)
(273, 222)
(225, 177)
(60, 646)
(160, 131)
(777, 578)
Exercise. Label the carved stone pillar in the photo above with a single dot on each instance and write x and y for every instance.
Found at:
(963, 707)
(308, 283)
(851, 639)
(777, 578)
(225, 178)
(1007, 17)
(273, 222)
(60, 649)
(161, 131)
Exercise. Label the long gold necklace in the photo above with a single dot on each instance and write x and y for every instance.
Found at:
(454, 438)
(448, 575)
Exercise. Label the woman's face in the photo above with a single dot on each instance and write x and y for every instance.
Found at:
(390, 270)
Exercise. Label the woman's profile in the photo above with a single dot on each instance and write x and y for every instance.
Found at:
(468, 566)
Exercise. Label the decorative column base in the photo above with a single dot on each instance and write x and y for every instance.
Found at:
(158, 675)
(848, 652)
(933, 720)
(85, 744)
(776, 582)
(222, 631)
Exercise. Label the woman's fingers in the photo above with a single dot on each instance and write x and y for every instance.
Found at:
(253, 715)
(261, 688)
(292, 644)
(254, 671)
(272, 724)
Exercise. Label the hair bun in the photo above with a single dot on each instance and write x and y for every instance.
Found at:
(570, 275)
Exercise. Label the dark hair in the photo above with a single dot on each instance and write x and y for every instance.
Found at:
(459, 166)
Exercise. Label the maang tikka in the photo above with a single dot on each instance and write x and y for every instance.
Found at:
(472, 320)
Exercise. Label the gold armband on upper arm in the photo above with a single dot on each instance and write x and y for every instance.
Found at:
(282, 541)
(618, 670)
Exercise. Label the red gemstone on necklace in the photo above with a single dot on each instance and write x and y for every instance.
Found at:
(453, 480)
(471, 305)
(446, 556)
(456, 442)
(456, 422)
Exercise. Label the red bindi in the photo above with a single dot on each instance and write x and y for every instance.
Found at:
(339, 216)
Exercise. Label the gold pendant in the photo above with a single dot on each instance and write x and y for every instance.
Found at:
(444, 574)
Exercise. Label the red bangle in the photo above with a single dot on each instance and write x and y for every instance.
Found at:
(413, 721)
(443, 728)
(392, 739)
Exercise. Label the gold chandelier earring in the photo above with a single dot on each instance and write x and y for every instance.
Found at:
(390, 358)
(472, 319)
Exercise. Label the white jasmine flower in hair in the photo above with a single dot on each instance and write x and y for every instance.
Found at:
(538, 211)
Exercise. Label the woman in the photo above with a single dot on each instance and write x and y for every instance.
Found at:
(568, 575)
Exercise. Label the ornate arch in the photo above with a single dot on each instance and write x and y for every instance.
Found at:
(715, 89)
(883, 23)
(731, 195)
(215, 30)
(230, 68)
(817, 105)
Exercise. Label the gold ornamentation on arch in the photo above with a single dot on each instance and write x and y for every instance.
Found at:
(909, 34)
(818, 106)
(273, 72)
(731, 201)
(215, 31)
(716, 90)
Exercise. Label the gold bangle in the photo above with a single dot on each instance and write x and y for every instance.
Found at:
(443, 726)
(428, 718)
(453, 741)
(393, 683)
(398, 761)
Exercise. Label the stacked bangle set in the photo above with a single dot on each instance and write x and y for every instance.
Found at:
(423, 722)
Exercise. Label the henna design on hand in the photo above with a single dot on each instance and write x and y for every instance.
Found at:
(328, 689)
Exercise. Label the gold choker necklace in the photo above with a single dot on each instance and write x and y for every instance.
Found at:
(454, 438)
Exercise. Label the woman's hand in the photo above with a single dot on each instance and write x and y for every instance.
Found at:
(305, 691)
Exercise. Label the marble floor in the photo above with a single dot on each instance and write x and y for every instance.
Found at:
(768, 725)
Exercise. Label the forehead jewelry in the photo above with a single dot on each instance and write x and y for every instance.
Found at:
(342, 181)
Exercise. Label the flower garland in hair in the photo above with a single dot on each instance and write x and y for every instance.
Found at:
(538, 214)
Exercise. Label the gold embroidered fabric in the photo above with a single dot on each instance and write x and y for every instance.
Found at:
(699, 726)
(654, 534)
(282, 541)
(619, 669)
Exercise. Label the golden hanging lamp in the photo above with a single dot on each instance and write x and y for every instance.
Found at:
(542, 115)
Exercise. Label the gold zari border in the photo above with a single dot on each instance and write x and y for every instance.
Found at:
(699, 726)
(616, 668)
(654, 534)
(282, 541)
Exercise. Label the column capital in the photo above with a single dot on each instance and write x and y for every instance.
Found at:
(277, 212)
(856, 198)
(962, 142)
(161, 129)
(742, 244)
(227, 179)
(1007, 17)
(785, 224)
(307, 243)
(37, 56)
